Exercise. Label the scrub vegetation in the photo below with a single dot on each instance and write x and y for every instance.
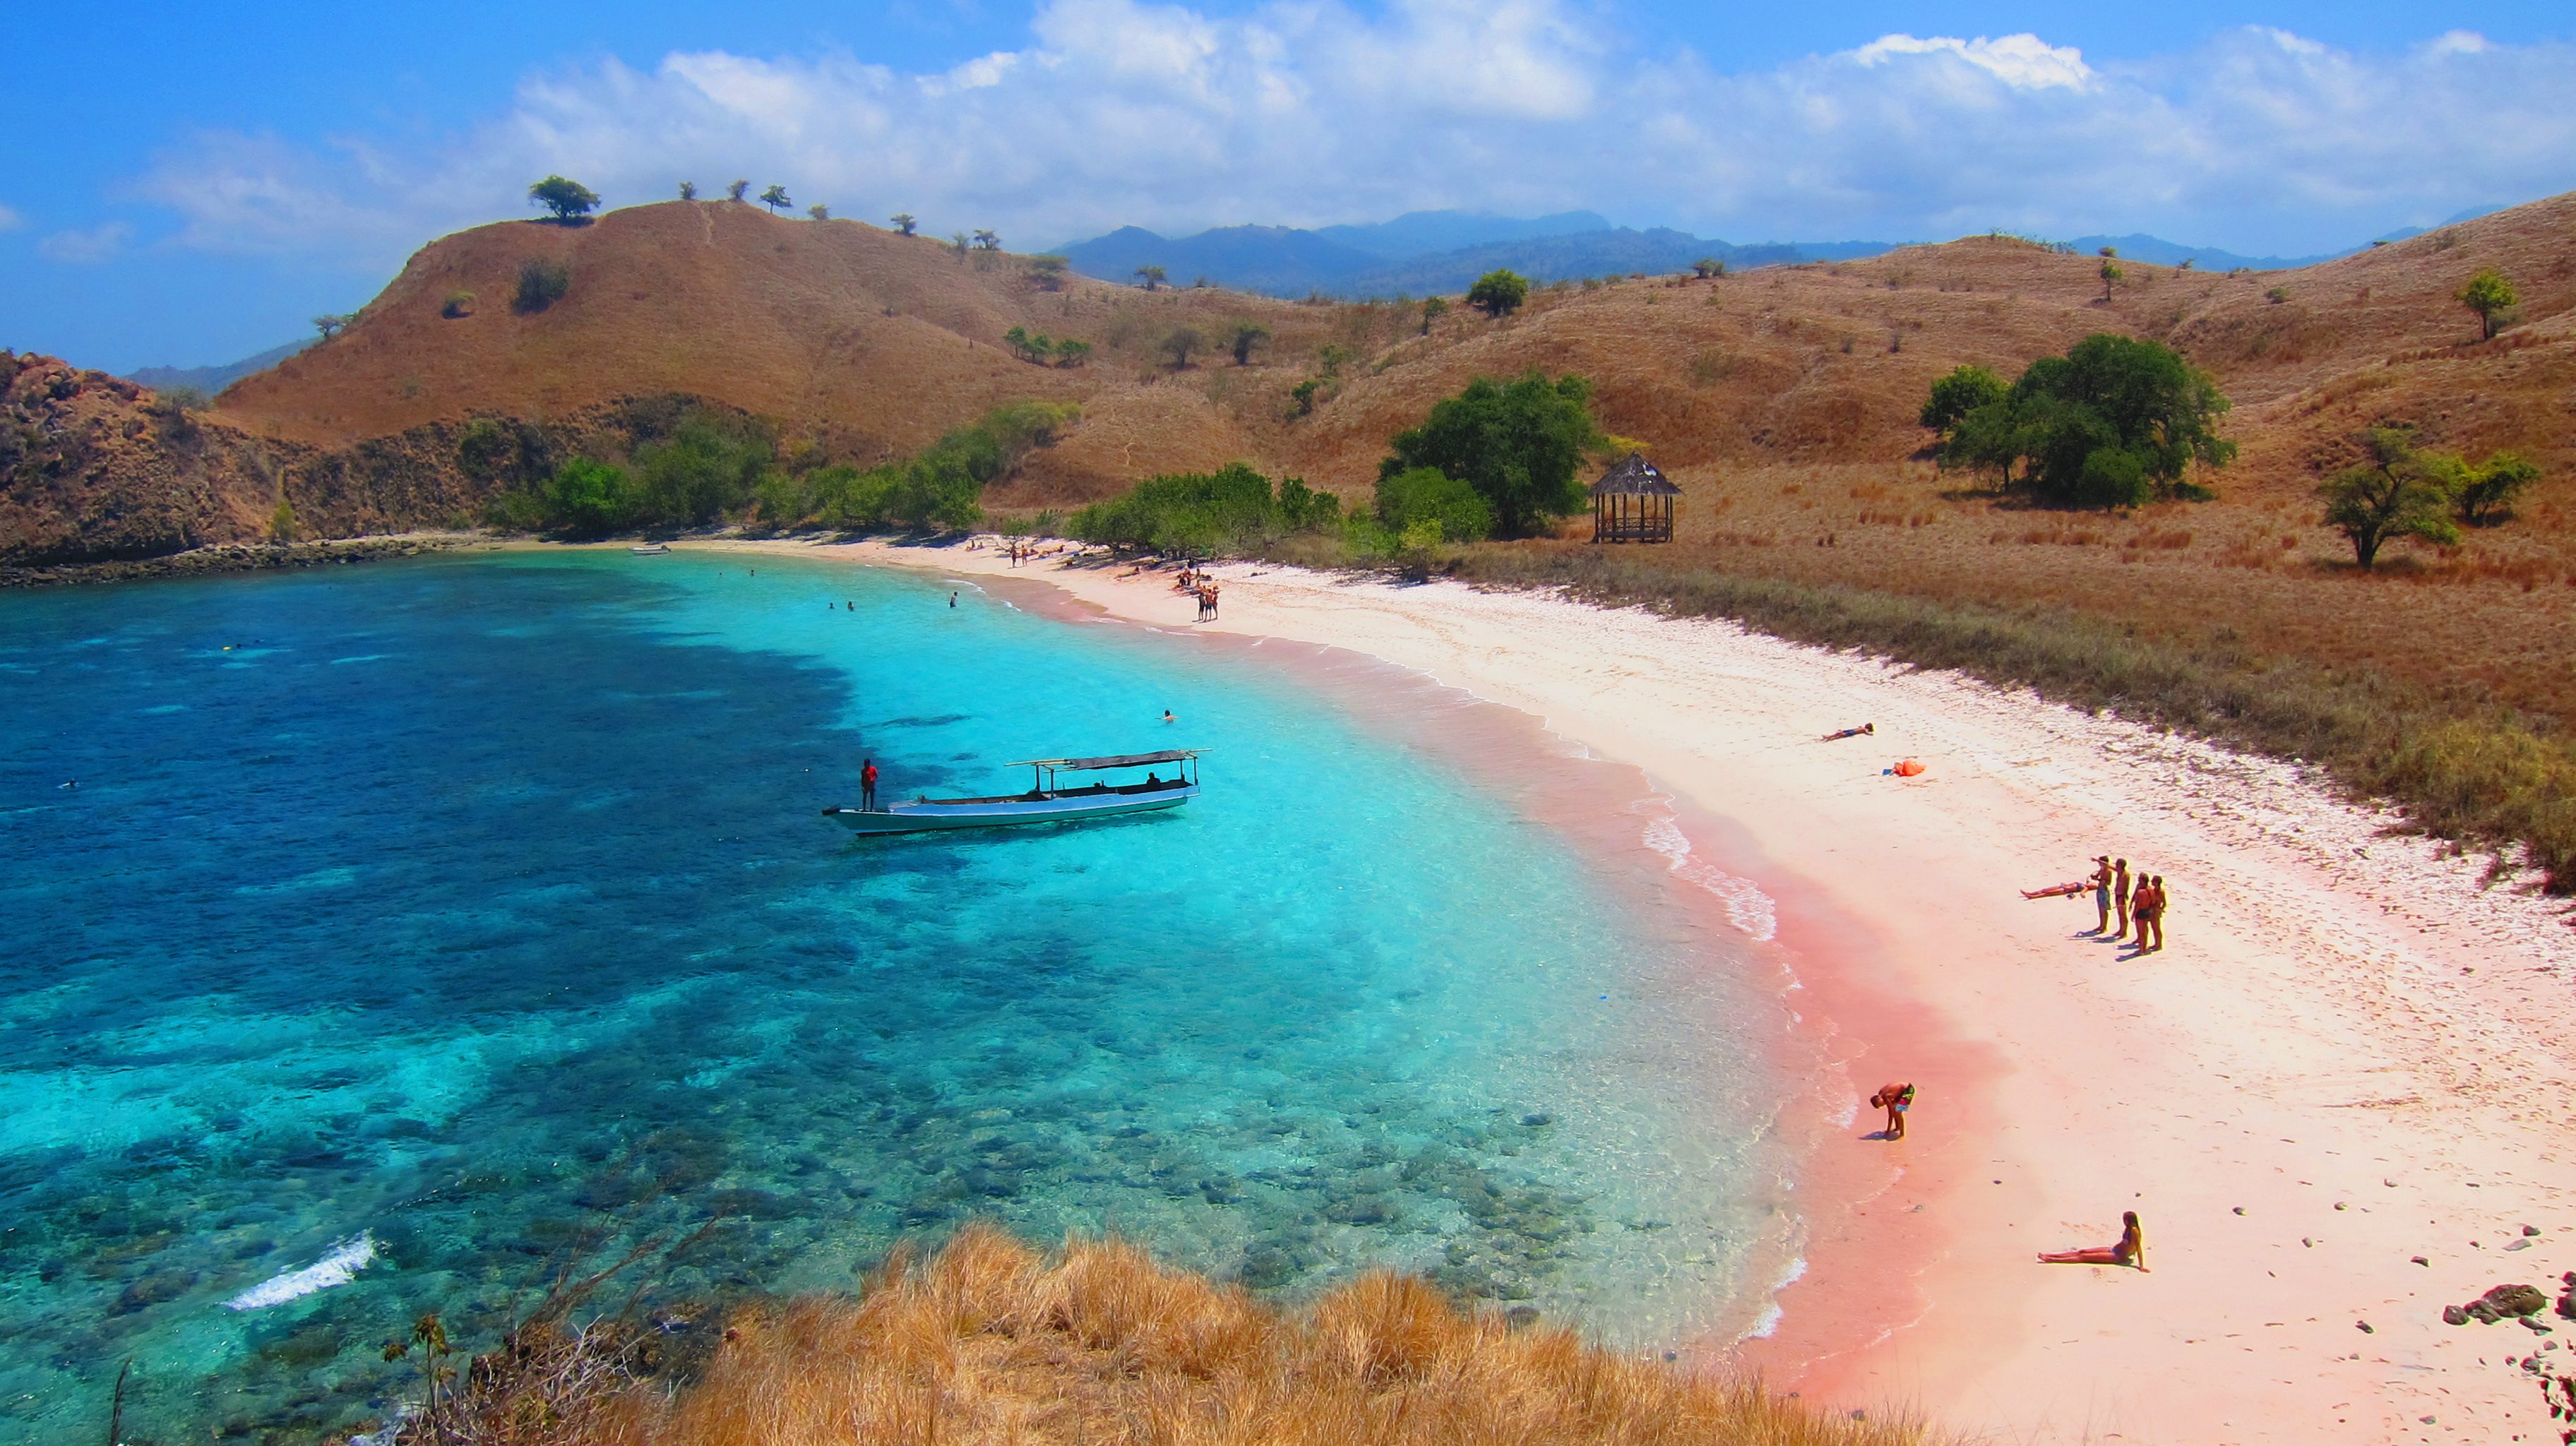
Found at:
(989, 1342)
(708, 467)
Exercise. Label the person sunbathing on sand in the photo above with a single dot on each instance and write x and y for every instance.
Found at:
(2132, 1249)
(1862, 730)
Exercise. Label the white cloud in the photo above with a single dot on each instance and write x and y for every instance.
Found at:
(93, 247)
(2024, 62)
(10, 220)
(1305, 112)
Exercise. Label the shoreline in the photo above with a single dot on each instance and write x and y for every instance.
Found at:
(2349, 1056)
(228, 557)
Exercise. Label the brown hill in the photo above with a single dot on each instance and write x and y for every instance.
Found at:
(1783, 400)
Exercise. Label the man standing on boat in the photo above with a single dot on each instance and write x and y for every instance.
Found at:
(868, 785)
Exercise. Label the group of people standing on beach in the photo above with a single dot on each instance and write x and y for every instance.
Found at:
(1203, 586)
(2137, 900)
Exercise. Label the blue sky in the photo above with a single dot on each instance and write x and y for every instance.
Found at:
(187, 185)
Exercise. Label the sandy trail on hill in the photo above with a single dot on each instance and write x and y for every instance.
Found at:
(2350, 1055)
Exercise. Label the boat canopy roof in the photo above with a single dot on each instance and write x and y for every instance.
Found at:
(1121, 760)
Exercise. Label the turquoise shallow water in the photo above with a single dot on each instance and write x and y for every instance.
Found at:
(470, 912)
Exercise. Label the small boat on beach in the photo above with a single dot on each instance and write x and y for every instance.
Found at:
(649, 549)
(1047, 801)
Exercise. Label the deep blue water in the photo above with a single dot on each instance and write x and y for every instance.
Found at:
(479, 910)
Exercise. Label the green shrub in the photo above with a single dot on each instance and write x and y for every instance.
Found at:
(541, 284)
(1232, 510)
(1429, 497)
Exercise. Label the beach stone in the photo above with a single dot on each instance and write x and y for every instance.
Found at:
(153, 1289)
(1362, 1210)
(2454, 1315)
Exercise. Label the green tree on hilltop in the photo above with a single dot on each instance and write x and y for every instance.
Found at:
(1498, 293)
(1153, 276)
(1433, 308)
(1246, 336)
(2490, 296)
(2111, 273)
(568, 200)
(734, 192)
(1518, 444)
(905, 224)
(775, 198)
(2398, 493)
(688, 190)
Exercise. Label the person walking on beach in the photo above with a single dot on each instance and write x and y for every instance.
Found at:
(2102, 891)
(1211, 597)
(2132, 1249)
(2149, 908)
(868, 785)
(2120, 895)
(1896, 1099)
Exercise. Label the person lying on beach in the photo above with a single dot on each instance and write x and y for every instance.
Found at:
(1861, 731)
(2132, 1249)
(1896, 1099)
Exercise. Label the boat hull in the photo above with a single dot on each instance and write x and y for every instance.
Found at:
(918, 817)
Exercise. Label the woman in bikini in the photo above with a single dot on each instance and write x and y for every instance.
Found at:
(2132, 1249)
(2149, 908)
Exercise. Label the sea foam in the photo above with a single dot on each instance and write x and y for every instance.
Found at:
(341, 1266)
(1747, 907)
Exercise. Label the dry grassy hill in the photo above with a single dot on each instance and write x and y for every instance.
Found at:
(1782, 399)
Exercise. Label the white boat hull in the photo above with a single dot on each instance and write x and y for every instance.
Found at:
(937, 817)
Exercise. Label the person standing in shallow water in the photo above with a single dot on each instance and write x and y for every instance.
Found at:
(1896, 1099)
(868, 785)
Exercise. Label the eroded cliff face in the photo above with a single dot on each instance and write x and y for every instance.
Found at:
(94, 468)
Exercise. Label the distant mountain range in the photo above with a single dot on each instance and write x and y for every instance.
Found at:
(211, 380)
(1432, 252)
(1424, 252)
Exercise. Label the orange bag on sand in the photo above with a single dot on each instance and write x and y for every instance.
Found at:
(1907, 769)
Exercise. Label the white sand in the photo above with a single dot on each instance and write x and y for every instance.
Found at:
(2343, 1020)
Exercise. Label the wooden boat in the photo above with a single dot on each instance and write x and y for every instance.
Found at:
(1047, 801)
(650, 549)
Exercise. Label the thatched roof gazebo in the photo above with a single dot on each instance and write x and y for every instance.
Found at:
(1633, 503)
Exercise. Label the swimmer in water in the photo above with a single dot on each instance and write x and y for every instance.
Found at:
(1168, 718)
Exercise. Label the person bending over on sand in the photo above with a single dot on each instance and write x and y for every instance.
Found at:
(1896, 1099)
(2149, 907)
(2120, 895)
(2132, 1249)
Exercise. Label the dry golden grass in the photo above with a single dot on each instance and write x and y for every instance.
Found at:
(990, 1343)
